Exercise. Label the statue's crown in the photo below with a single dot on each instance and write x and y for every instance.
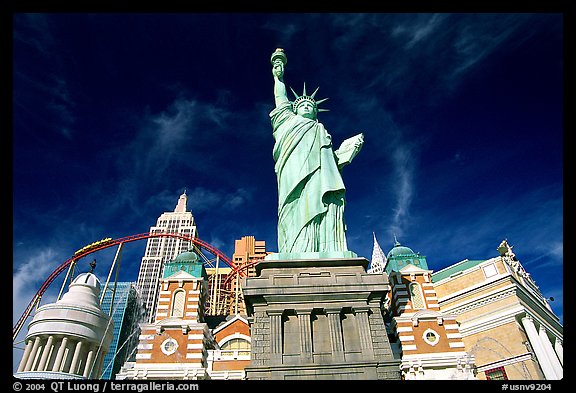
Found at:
(309, 98)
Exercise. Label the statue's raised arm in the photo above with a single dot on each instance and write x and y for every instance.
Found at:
(278, 60)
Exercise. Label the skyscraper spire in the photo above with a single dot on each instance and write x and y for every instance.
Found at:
(182, 202)
(379, 261)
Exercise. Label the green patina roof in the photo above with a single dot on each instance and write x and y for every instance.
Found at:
(399, 250)
(400, 256)
(456, 268)
(188, 262)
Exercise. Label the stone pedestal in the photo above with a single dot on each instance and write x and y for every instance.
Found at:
(318, 319)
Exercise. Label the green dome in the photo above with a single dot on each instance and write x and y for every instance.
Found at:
(188, 261)
(399, 250)
(187, 256)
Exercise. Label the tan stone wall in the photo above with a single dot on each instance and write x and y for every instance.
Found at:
(499, 343)
(495, 344)
(466, 280)
(488, 308)
(477, 293)
(459, 283)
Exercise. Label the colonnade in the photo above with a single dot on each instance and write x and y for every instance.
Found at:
(62, 354)
(307, 333)
(550, 358)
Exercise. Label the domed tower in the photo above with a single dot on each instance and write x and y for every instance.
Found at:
(428, 339)
(176, 344)
(401, 256)
(68, 339)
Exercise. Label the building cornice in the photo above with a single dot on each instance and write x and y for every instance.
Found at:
(525, 297)
(476, 302)
(505, 362)
(494, 319)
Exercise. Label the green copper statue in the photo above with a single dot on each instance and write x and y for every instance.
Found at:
(311, 193)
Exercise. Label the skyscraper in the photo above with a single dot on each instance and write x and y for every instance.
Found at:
(126, 314)
(247, 250)
(162, 249)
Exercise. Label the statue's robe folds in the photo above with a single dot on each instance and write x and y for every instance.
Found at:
(311, 193)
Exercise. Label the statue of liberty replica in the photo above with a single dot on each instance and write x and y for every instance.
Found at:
(311, 193)
(314, 311)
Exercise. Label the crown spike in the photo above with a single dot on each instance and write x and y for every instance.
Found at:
(304, 89)
(322, 100)
(295, 94)
(315, 91)
(323, 110)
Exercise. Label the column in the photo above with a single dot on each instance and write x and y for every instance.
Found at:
(336, 333)
(89, 359)
(75, 358)
(556, 366)
(304, 321)
(558, 347)
(98, 369)
(32, 356)
(275, 336)
(59, 354)
(534, 338)
(25, 356)
(45, 353)
(364, 331)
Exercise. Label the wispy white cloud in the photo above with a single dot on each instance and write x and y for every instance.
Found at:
(532, 224)
(481, 36)
(552, 253)
(201, 199)
(170, 127)
(403, 153)
(34, 30)
(169, 139)
(27, 280)
(285, 31)
(418, 29)
(48, 89)
(431, 53)
(402, 186)
(35, 269)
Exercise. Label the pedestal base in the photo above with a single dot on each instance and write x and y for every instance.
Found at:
(318, 319)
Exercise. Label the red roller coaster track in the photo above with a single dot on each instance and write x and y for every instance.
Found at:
(36, 298)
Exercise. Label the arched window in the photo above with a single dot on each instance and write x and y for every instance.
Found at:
(416, 296)
(236, 343)
(178, 303)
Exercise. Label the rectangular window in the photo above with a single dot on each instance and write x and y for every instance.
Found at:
(496, 374)
(490, 270)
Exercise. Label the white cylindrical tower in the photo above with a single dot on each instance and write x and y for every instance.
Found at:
(68, 339)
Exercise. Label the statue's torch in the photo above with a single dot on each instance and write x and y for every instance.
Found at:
(278, 56)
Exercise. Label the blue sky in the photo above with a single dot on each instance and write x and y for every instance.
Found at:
(115, 115)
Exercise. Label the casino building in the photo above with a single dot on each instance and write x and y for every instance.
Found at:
(485, 318)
